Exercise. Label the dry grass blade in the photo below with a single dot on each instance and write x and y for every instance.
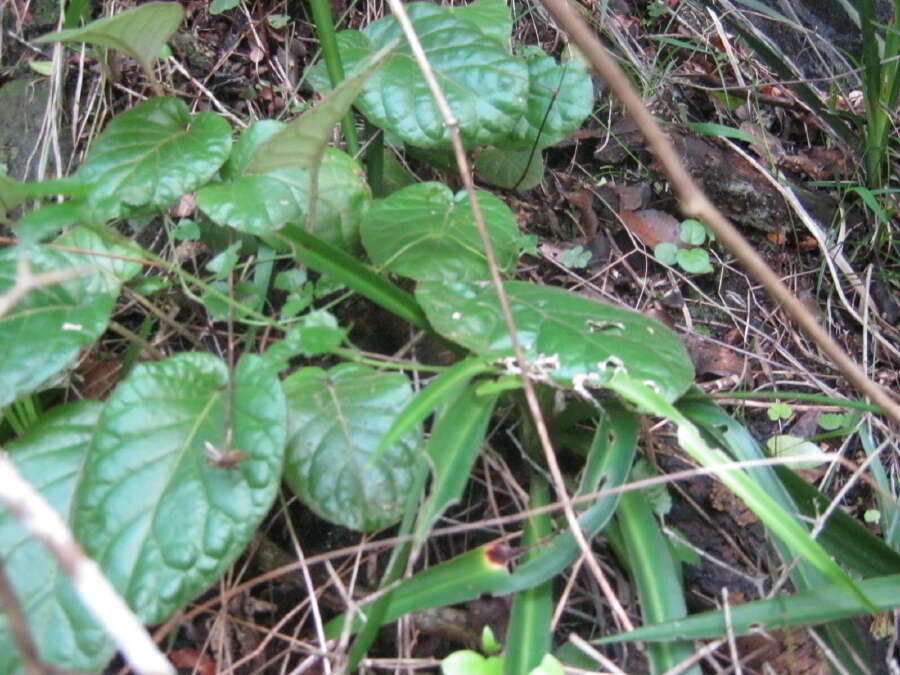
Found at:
(696, 205)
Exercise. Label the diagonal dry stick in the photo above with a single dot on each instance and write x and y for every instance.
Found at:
(696, 205)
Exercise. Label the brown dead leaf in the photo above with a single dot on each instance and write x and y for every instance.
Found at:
(583, 200)
(99, 375)
(185, 207)
(713, 359)
(766, 145)
(193, 660)
(723, 499)
(651, 226)
(816, 162)
(632, 197)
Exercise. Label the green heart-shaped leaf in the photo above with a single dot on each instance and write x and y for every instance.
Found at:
(139, 32)
(43, 332)
(152, 154)
(336, 420)
(51, 457)
(694, 260)
(560, 97)
(510, 169)
(425, 232)
(154, 509)
(565, 337)
(485, 87)
(301, 143)
(262, 203)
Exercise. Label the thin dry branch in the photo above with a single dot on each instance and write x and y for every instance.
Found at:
(27, 506)
(696, 205)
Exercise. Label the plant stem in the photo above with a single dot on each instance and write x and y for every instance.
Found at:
(321, 12)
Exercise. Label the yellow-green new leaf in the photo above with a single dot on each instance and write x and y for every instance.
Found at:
(140, 32)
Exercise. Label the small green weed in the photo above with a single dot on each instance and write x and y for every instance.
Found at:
(692, 260)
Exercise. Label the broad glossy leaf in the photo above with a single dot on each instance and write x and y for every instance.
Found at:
(51, 458)
(427, 233)
(139, 32)
(301, 143)
(560, 97)
(510, 169)
(151, 155)
(112, 253)
(161, 519)
(336, 419)
(485, 87)
(262, 203)
(569, 338)
(491, 16)
(41, 334)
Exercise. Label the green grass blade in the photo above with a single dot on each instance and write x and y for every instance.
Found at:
(609, 462)
(805, 92)
(890, 514)
(311, 251)
(454, 445)
(471, 574)
(444, 387)
(843, 537)
(396, 565)
(528, 637)
(842, 637)
(462, 578)
(818, 605)
(657, 576)
(321, 12)
(757, 500)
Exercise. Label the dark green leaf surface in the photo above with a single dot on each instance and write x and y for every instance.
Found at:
(491, 17)
(510, 169)
(336, 420)
(261, 203)
(139, 32)
(151, 155)
(560, 97)
(426, 233)
(159, 517)
(51, 458)
(485, 87)
(41, 334)
(566, 337)
(300, 144)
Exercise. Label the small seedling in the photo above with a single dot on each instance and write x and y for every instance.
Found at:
(779, 411)
(691, 260)
(575, 258)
